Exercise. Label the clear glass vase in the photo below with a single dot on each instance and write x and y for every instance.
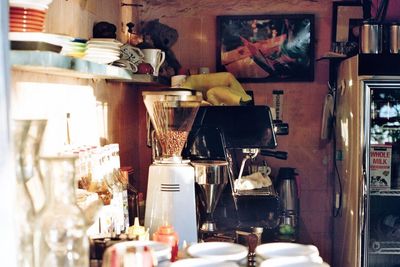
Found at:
(27, 136)
(60, 236)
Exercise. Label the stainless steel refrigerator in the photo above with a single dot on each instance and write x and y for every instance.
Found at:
(366, 224)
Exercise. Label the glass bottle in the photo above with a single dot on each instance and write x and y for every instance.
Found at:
(27, 140)
(60, 236)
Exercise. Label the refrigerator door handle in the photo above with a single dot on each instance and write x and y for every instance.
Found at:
(363, 202)
(363, 213)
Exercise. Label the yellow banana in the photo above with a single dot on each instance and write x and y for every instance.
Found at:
(221, 95)
(227, 88)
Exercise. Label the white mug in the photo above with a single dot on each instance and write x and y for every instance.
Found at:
(155, 57)
(265, 170)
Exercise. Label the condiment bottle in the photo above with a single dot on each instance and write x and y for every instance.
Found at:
(138, 232)
(167, 235)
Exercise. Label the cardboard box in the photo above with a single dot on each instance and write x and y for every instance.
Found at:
(380, 167)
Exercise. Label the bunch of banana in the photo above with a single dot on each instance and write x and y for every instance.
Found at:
(219, 88)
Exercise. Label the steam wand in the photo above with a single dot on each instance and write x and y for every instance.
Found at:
(249, 154)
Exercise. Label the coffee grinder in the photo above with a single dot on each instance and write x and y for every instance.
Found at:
(171, 190)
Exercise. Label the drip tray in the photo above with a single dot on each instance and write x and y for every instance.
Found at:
(264, 191)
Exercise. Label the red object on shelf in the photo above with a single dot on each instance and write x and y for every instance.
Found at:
(145, 68)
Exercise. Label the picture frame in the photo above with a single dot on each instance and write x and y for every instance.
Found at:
(266, 48)
(346, 15)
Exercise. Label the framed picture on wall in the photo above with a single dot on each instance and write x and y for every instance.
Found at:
(345, 15)
(266, 48)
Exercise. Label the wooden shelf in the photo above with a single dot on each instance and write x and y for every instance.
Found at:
(54, 63)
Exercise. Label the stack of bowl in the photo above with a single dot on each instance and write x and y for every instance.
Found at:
(28, 15)
(215, 254)
(75, 48)
(288, 254)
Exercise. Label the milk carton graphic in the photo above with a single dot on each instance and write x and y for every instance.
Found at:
(380, 167)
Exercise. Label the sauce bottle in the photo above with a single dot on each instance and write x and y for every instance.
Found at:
(167, 235)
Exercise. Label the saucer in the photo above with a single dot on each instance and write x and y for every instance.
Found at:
(284, 249)
(222, 251)
(199, 262)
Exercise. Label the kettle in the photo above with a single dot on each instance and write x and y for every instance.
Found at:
(289, 204)
(288, 190)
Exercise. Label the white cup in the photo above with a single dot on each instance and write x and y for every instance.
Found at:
(155, 57)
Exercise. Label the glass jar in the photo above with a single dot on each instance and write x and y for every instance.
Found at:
(60, 234)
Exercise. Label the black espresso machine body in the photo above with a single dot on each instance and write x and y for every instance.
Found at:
(231, 133)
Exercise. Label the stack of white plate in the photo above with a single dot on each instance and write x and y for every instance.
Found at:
(102, 50)
(297, 261)
(274, 254)
(54, 39)
(199, 262)
(230, 253)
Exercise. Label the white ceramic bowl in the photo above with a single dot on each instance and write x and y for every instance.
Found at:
(296, 261)
(160, 250)
(199, 262)
(222, 251)
(285, 249)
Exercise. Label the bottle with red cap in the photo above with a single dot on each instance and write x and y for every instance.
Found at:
(167, 235)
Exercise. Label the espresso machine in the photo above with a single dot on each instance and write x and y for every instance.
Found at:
(171, 190)
(235, 134)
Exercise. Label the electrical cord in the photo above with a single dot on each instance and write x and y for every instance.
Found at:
(336, 210)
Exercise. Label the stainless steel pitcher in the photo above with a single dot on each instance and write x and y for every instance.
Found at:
(371, 38)
(287, 190)
(395, 38)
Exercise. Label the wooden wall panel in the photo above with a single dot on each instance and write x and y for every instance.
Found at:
(77, 17)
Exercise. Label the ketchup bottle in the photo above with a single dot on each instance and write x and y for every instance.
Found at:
(167, 235)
